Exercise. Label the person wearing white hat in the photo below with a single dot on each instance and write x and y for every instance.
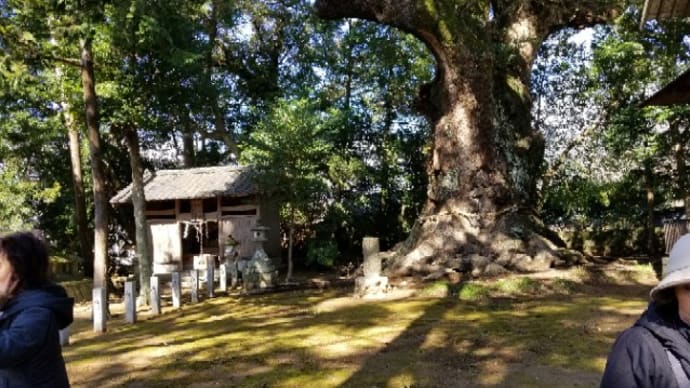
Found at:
(655, 351)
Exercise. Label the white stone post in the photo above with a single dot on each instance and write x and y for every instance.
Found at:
(176, 290)
(194, 278)
(155, 296)
(223, 277)
(210, 281)
(130, 302)
(370, 247)
(372, 283)
(64, 336)
(99, 307)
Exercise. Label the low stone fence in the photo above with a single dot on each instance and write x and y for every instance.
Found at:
(172, 282)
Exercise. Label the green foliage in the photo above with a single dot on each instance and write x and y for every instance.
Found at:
(288, 151)
(616, 154)
(564, 286)
(580, 201)
(322, 253)
(520, 285)
(19, 195)
(437, 289)
(193, 77)
(473, 292)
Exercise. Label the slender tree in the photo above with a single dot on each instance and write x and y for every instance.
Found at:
(289, 152)
(145, 262)
(100, 265)
(78, 185)
(42, 34)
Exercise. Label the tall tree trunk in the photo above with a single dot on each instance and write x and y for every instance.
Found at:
(649, 188)
(79, 196)
(80, 219)
(145, 265)
(679, 148)
(485, 157)
(100, 260)
(188, 150)
(291, 236)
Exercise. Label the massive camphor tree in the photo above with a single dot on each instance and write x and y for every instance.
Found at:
(485, 156)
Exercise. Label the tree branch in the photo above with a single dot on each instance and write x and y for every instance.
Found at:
(65, 61)
(584, 134)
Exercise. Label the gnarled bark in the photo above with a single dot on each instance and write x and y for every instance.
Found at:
(486, 157)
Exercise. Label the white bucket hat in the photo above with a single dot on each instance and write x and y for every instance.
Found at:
(677, 271)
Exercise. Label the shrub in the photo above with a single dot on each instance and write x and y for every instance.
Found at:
(564, 286)
(473, 292)
(437, 289)
(522, 285)
(322, 253)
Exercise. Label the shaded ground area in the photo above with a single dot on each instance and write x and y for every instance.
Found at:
(544, 330)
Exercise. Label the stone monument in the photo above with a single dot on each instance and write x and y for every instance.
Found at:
(372, 284)
(260, 271)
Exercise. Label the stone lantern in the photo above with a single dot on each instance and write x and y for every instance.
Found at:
(260, 271)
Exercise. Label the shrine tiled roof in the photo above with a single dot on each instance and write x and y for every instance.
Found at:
(193, 183)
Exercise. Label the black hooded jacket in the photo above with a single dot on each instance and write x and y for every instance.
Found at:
(638, 357)
(30, 352)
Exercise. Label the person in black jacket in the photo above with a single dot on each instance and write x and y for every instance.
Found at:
(32, 311)
(655, 351)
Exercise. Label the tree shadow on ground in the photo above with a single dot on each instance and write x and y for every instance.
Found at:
(306, 339)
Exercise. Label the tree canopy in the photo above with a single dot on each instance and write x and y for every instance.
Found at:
(419, 122)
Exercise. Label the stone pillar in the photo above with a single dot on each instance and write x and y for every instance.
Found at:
(176, 289)
(372, 263)
(223, 277)
(99, 307)
(194, 278)
(155, 296)
(130, 302)
(370, 246)
(210, 280)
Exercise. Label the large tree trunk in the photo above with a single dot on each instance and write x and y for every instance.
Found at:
(486, 157)
(145, 265)
(100, 260)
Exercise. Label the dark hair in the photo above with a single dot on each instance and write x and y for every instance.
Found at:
(28, 256)
(666, 296)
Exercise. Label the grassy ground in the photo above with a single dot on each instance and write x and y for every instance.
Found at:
(554, 329)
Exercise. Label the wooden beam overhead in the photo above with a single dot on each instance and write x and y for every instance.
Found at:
(677, 92)
(665, 9)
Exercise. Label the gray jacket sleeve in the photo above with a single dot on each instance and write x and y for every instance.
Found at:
(637, 359)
